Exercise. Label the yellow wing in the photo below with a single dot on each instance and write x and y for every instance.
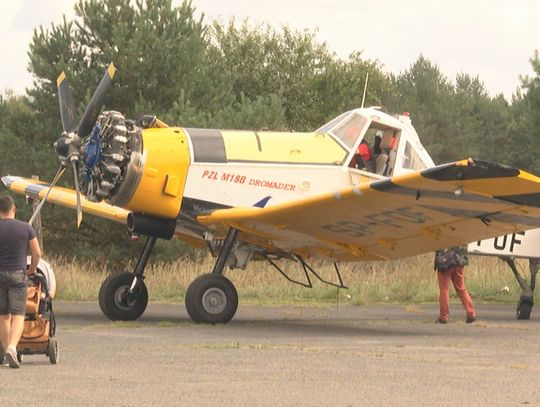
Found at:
(444, 206)
(64, 197)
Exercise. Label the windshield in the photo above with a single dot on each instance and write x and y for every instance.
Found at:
(347, 127)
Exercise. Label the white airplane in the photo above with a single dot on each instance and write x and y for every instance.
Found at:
(518, 245)
(361, 187)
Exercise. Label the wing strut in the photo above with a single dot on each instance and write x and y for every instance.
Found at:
(308, 269)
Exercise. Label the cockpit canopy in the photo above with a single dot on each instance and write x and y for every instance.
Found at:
(393, 142)
(347, 127)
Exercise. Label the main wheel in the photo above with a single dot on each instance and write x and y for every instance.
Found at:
(52, 351)
(524, 308)
(212, 299)
(117, 303)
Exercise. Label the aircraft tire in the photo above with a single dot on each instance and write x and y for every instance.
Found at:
(524, 308)
(211, 299)
(113, 302)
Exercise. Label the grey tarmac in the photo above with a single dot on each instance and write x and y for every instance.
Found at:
(285, 356)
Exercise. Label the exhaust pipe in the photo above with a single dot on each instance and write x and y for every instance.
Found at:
(151, 225)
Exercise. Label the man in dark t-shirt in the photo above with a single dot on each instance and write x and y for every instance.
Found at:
(15, 238)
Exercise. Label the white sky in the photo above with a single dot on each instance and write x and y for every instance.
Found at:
(493, 39)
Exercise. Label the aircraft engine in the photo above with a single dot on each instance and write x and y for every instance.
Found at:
(113, 145)
(125, 163)
(143, 170)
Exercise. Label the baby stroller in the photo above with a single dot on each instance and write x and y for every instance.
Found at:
(39, 322)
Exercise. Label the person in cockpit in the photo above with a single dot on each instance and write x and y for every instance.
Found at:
(365, 157)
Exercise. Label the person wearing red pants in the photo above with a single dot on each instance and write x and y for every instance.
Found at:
(450, 264)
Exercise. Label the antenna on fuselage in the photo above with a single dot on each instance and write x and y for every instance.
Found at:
(365, 89)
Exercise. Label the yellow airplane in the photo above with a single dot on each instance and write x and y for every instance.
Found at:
(361, 187)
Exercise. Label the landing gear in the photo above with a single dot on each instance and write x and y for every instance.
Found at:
(526, 299)
(524, 308)
(118, 302)
(124, 296)
(212, 298)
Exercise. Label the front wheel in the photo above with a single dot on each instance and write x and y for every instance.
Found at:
(52, 351)
(211, 299)
(117, 303)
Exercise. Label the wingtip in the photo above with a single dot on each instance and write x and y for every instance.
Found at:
(111, 70)
(8, 180)
(60, 78)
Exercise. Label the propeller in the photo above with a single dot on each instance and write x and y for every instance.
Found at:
(78, 191)
(67, 105)
(94, 106)
(68, 145)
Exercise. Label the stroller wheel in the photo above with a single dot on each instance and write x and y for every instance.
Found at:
(53, 351)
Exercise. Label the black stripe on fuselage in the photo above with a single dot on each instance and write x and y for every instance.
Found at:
(208, 145)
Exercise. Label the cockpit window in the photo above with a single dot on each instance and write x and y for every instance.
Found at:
(330, 125)
(349, 130)
(347, 127)
(411, 159)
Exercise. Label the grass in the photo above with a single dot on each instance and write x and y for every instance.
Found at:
(410, 280)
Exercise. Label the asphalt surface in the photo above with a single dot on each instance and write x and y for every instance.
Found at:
(285, 356)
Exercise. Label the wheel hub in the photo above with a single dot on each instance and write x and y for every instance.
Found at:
(123, 299)
(214, 301)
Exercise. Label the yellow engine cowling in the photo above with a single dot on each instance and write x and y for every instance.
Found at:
(165, 160)
(156, 174)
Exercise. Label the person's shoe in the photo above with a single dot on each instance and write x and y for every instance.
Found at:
(470, 319)
(441, 321)
(11, 357)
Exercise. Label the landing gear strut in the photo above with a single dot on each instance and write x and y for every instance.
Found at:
(124, 296)
(526, 299)
(212, 298)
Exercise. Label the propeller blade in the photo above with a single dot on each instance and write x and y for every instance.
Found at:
(78, 191)
(94, 106)
(59, 174)
(67, 105)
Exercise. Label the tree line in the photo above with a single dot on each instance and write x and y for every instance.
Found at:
(197, 73)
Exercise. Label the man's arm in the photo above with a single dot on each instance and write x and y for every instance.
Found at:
(35, 253)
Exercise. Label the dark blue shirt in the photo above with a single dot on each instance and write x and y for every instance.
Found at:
(14, 238)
